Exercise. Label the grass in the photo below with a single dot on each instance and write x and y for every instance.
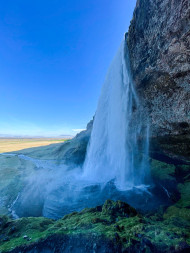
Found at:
(13, 144)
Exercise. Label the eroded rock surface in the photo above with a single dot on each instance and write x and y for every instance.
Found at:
(159, 49)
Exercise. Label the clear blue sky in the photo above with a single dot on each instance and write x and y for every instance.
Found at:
(54, 56)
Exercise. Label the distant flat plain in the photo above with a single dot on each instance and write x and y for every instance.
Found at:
(16, 144)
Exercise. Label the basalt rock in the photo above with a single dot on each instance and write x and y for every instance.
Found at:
(159, 49)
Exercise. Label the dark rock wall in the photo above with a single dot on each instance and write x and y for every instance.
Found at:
(159, 49)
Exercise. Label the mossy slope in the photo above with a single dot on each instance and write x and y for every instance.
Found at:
(115, 223)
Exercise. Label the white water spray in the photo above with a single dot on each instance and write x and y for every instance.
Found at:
(114, 151)
(116, 164)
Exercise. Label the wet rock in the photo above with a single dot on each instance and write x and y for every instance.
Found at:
(159, 49)
(3, 221)
(118, 208)
(5, 239)
(182, 247)
(12, 230)
(117, 238)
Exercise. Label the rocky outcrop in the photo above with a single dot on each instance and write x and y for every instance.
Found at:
(159, 49)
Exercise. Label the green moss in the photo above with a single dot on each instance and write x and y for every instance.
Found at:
(184, 190)
(115, 221)
(118, 208)
(174, 211)
(162, 171)
(182, 208)
(166, 233)
(99, 221)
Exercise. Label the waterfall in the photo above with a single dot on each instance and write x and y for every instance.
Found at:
(116, 164)
(118, 146)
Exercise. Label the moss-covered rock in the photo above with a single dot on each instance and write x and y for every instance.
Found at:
(182, 207)
(165, 179)
(162, 171)
(113, 227)
(118, 208)
(174, 211)
(184, 190)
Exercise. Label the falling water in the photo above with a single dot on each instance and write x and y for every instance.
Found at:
(116, 164)
(119, 143)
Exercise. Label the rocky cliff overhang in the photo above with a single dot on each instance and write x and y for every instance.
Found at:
(159, 50)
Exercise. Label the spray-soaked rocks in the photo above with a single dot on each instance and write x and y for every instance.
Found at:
(118, 208)
(114, 227)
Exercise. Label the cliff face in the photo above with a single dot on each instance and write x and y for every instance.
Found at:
(159, 49)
